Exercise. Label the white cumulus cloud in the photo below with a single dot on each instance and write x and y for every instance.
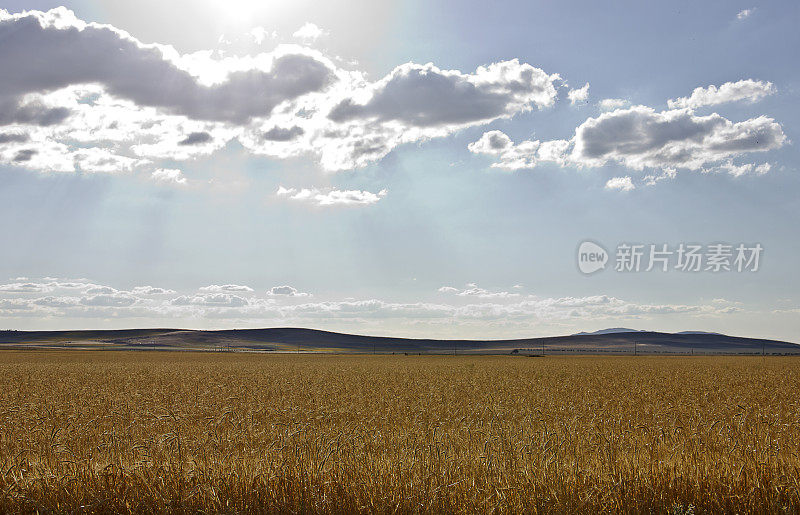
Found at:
(309, 32)
(578, 95)
(526, 154)
(331, 197)
(221, 288)
(169, 175)
(748, 89)
(472, 290)
(610, 104)
(285, 291)
(620, 183)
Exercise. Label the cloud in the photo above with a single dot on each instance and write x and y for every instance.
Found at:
(196, 138)
(475, 306)
(620, 183)
(745, 13)
(169, 175)
(57, 302)
(554, 151)
(14, 137)
(331, 197)
(13, 306)
(595, 307)
(745, 169)
(92, 98)
(226, 288)
(526, 154)
(749, 90)
(24, 155)
(24, 287)
(45, 285)
(283, 133)
(15, 110)
(578, 95)
(109, 300)
(492, 142)
(660, 175)
(641, 137)
(610, 104)
(260, 34)
(287, 291)
(151, 290)
(212, 299)
(427, 96)
(95, 290)
(309, 32)
(156, 138)
(473, 290)
(101, 160)
(69, 51)
(78, 86)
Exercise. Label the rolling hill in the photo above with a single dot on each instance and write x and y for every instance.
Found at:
(287, 339)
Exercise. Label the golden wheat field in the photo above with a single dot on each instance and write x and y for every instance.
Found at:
(228, 432)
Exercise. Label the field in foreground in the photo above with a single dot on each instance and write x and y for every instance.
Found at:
(220, 432)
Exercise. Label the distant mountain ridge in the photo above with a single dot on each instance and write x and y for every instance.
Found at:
(611, 330)
(615, 330)
(292, 339)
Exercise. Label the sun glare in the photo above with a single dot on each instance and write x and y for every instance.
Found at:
(245, 12)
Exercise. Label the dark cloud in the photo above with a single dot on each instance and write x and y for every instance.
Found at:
(369, 146)
(44, 58)
(285, 290)
(642, 137)
(497, 142)
(12, 110)
(636, 131)
(196, 138)
(283, 133)
(23, 156)
(425, 96)
(760, 133)
(14, 137)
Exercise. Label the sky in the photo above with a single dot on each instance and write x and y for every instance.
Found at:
(419, 169)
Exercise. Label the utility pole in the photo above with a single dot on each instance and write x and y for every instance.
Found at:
(635, 348)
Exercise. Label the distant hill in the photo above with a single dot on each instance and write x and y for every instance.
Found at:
(288, 339)
(612, 330)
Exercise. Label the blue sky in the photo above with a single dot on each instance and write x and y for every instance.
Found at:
(395, 168)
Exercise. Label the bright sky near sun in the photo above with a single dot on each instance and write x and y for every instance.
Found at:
(397, 168)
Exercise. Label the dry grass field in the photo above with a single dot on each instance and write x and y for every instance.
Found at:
(228, 432)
